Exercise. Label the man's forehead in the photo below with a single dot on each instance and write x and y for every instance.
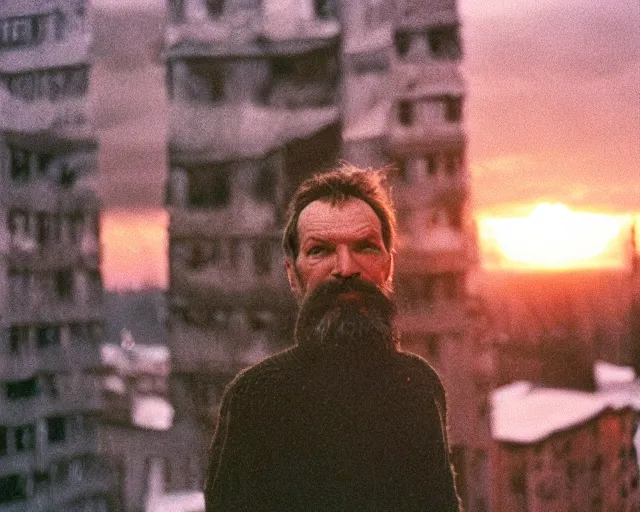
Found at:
(352, 214)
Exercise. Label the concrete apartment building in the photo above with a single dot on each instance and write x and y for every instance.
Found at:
(264, 93)
(50, 285)
(558, 450)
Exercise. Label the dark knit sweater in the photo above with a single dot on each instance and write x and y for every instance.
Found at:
(311, 431)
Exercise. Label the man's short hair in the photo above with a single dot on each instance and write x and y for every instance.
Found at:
(337, 186)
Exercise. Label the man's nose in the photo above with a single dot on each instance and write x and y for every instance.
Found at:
(345, 265)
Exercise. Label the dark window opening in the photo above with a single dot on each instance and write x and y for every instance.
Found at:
(18, 338)
(3, 440)
(405, 113)
(208, 187)
(451, 284)
(433, 346)
(207, 80)
(453, 109)
(25, 437)
(259, 320)
(432, 165)
(42, 228)
(202, 254)
(444, 43)
(302, 81)
(13, 488)
(402, 41)
(325, 9)
(215, 8)
(94, 281)
(64, 284)
(56, 429)
(428, 293)
(27, 388)
(47, 336)
(41, 481)
(50, 386)
(44, 161)
(262, 257)
(176, 10)
(265, 185)
(67, 176)
(19, 164)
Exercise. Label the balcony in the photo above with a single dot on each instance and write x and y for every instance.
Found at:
(55, 359)
(415, 14)
(201, 132)
(280, 26)
(85, 397)
(70, 51)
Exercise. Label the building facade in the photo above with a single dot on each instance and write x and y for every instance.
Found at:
(50, 285)
(263, 94)
(561, 450)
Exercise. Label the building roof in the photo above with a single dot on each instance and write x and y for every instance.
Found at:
(523, 413)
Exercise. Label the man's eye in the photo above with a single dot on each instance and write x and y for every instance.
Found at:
(316, 250)
(368, 247)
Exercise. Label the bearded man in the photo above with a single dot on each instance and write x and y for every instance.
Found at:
(344, 420)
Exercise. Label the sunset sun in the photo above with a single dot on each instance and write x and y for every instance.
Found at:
(553, 236)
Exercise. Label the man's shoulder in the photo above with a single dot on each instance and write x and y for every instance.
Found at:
(419, 369)
(272, 369)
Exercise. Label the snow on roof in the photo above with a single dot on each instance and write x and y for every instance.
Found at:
(137, 358)
(177, 502)
(524, 414)
(152, 412)
(610, 375)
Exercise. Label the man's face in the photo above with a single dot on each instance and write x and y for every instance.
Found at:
(337, 242)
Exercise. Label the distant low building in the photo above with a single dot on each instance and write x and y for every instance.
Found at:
(564, 450)
(151, 457)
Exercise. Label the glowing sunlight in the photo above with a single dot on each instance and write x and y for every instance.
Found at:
(553, 236)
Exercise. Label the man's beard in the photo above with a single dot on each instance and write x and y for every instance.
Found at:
(352, 315)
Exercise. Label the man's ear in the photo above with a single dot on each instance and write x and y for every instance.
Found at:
(294, 280)
(392, 265)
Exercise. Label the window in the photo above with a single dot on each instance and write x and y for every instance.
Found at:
(208, 187)
(56, 429)
(215, 7)
(25, 437)
(262, 257)
(64, 284)
(94, 282)
(451, 285)
(43, 228)
(433, 346)
(22, 31)
(47, 335)
(432, 165)
(444, 43)
(405, 113)
(428, 289)
(453, 109)
(13, 488)
(27, 388)
(206, 82)
(50, 84)
(67, 176)
(325, 9)
(19, 164)
(402, 42)
(50, 386)
(44, 160)
(265, 184)
(41, 481)
(18, 338)
(3, 440)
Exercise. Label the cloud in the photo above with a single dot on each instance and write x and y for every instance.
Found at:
(561, 85)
